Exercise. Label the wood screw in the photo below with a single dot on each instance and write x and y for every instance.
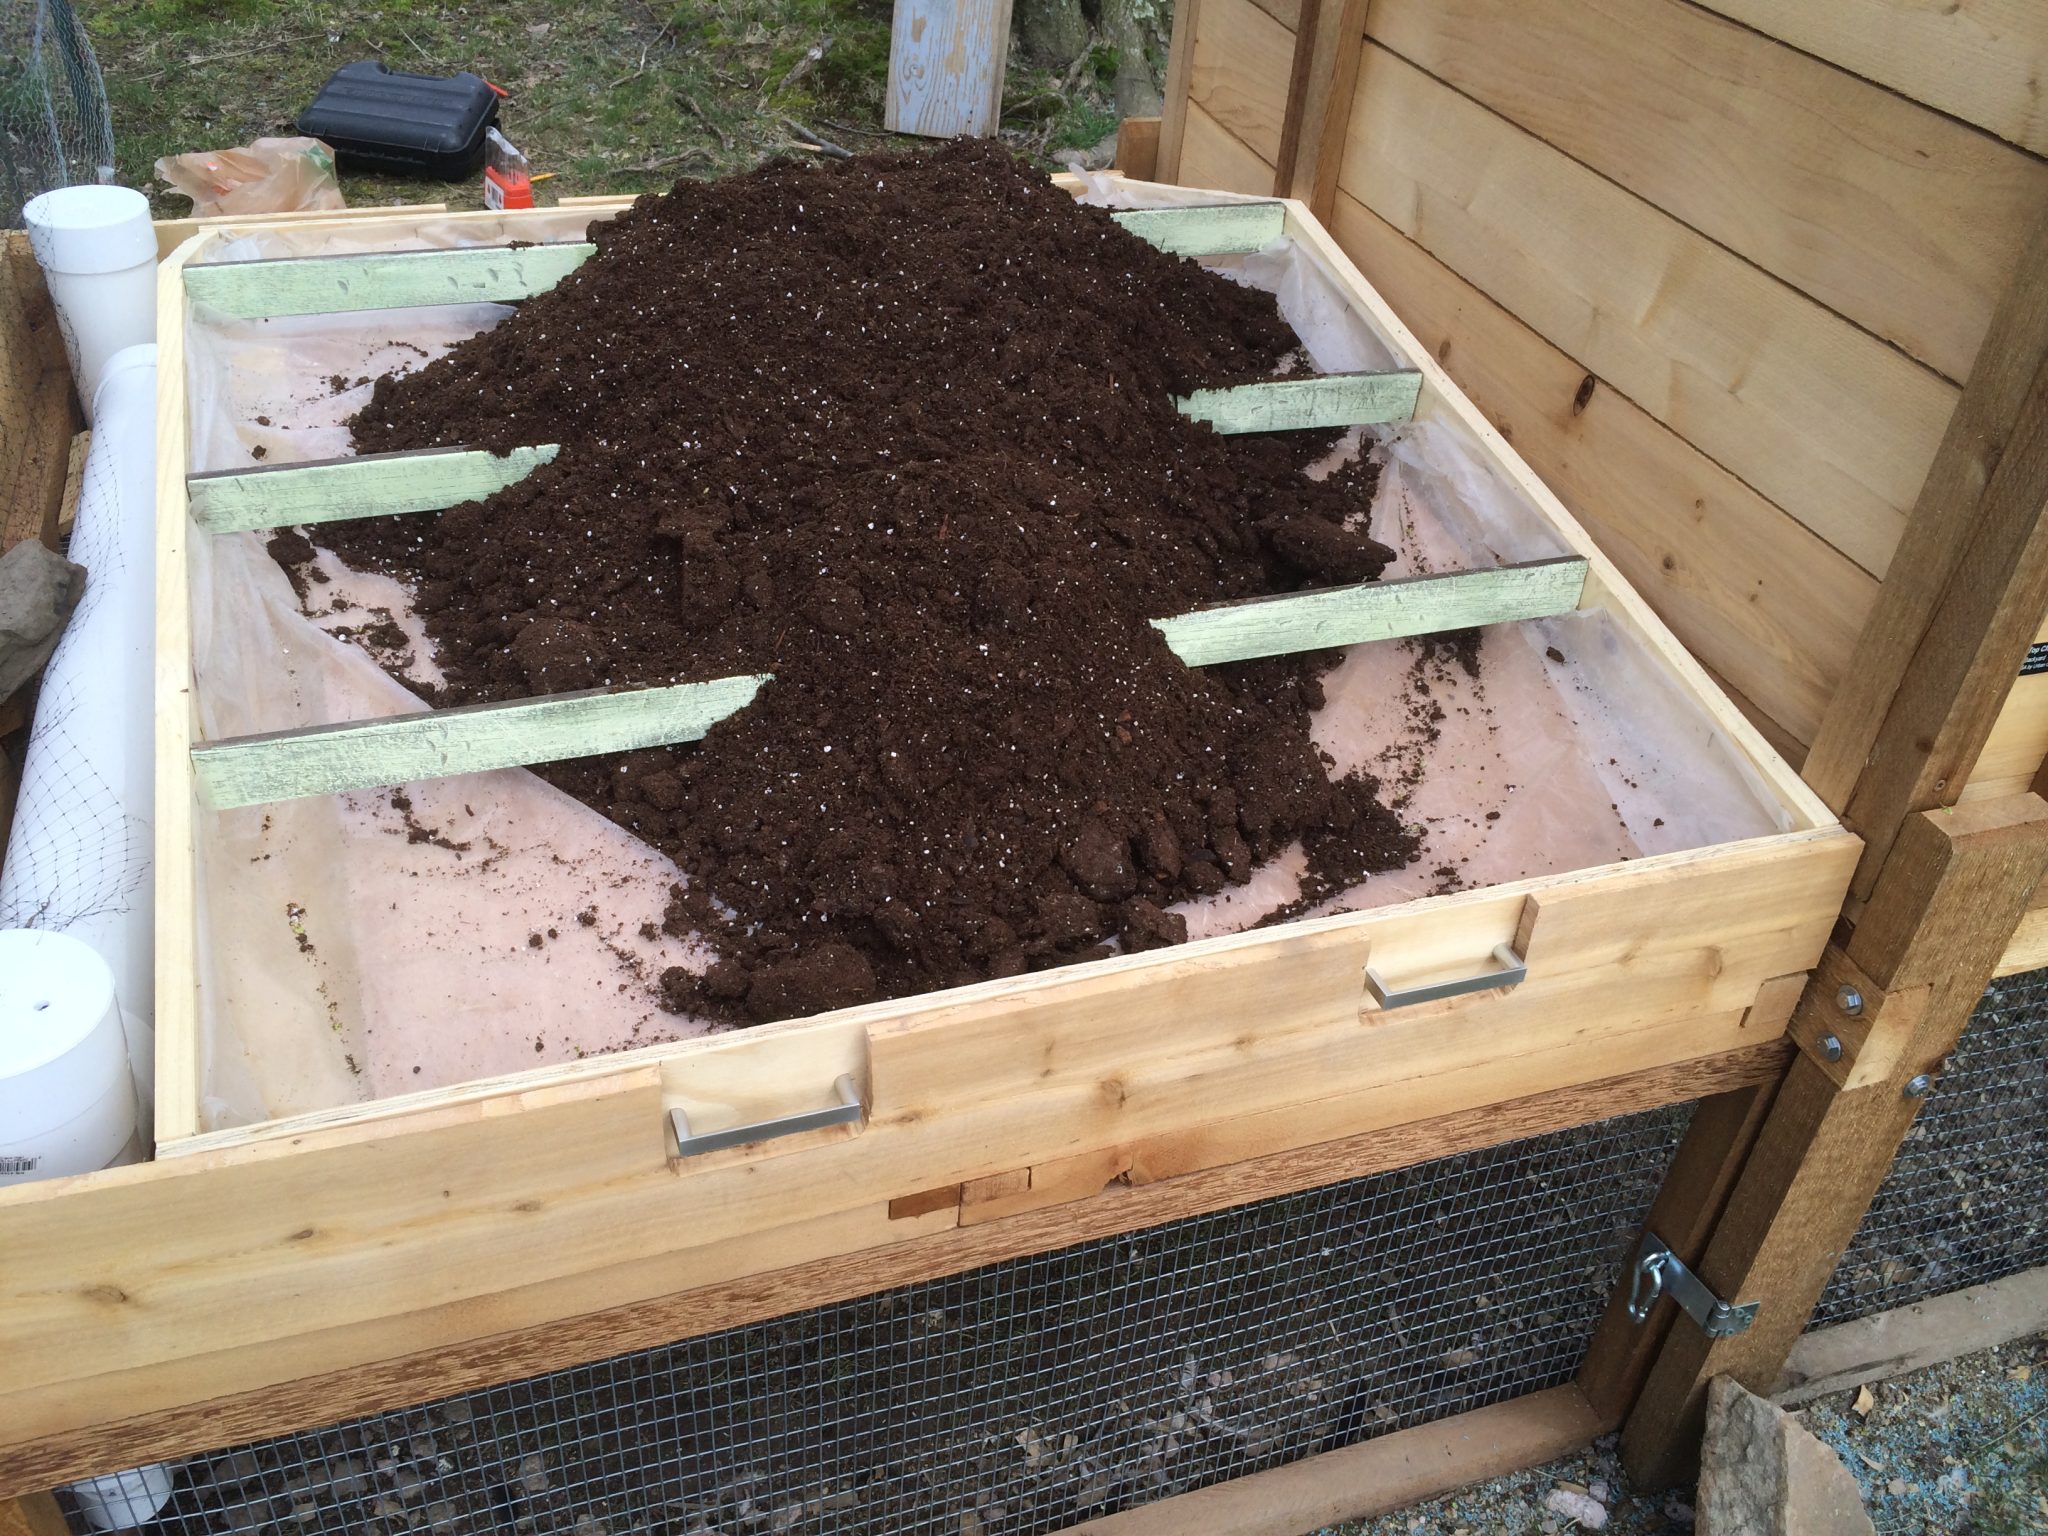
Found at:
(1918, 1086)
(1850, 1001)
(1830, 1048)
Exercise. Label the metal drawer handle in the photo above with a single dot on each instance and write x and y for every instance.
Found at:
(1514, 970)
(847, 1111)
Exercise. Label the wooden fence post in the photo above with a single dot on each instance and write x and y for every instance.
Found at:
(1328, 40)
(1896, 997)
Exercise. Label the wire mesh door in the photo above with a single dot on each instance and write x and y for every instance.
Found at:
(55, 130)
(1025, 1396)
(1967, 1199)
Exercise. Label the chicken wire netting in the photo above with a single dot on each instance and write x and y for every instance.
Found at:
(1967, 1199)
(55, 130)
(1024, 1396)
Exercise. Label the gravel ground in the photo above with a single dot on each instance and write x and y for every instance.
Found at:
(1956, 1450)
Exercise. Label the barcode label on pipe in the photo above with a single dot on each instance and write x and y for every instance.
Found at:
(18, 1165)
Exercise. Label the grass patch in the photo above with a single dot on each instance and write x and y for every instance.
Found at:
(610, 98)
(617, 98)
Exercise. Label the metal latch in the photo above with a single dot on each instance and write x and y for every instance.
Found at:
(1658, 1270)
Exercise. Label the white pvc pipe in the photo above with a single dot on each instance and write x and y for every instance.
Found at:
(78, 861)
(97, 250)
(79, 858)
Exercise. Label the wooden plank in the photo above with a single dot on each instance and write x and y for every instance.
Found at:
(526, 1183)
(74, 483)
(1212, 156)
(1820, 417)
(1914, 931)
(311, 285)
(174, 870)
(1761, 600)
(1210, 229)
(1912, 1338)
(1137, 148)
(1950, 693)
(12, 718)
(172, 233)
(2017, 745)
(1326, 55)
(1374, 1477)
(1242, 61)
(33, 1514)
(438, 743)
(1948, 507)
(1180, 65)
(946, 65)
(2027, 949)
(1380, 610)
(1291, 405)
(372, 485)
(36, 412)
(1905, 221)
(1928, 938)
(1443, 401)
(189, 1407)
(1982, 62)
(1286, 12)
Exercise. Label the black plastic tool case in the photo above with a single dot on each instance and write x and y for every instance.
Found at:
(376, 118)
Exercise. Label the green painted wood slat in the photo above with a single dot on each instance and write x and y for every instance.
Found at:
(313, 285)
(1294, 405)
(376, 484)
(370, 754)
(1375, 610)
(1210, 229)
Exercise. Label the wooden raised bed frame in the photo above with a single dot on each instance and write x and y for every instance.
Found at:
(289, 1273)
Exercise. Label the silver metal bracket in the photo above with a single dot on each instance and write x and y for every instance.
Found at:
(1658, 1271)
(847, 1111)
(1511, 971)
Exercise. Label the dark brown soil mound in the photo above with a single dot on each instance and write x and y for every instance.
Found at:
(900, 431)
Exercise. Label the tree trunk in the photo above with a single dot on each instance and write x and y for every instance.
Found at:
(1137, 93)
(1053, 32)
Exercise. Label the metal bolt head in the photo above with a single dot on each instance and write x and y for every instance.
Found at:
(1830, 1048)
(1918, 1087)
(1850, 1001)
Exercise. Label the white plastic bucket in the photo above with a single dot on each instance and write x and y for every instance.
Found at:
(122, 1500)
(67, 1101)
(97, 250)
(67, 1105)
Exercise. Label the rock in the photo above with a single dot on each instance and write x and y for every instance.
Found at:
(533, 1475)
(1762, 1473)
(38, 590)
(1582, 1508)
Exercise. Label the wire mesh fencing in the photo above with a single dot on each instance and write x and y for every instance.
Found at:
(55, 130)
(1025, 1396)
(1967, 1200)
